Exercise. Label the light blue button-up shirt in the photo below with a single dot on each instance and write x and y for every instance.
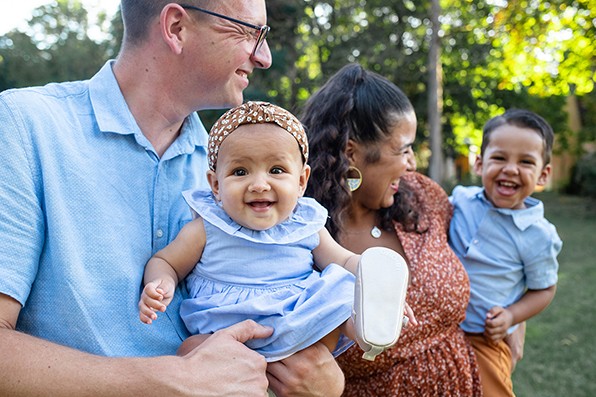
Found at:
(84, 203)
(504, 251)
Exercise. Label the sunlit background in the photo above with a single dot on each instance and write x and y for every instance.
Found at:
(20, 11)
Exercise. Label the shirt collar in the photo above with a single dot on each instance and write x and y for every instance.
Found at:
(110, 107)
(522, 218)
(113, 115)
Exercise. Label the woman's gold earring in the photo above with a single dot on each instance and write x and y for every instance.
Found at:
(354, 183)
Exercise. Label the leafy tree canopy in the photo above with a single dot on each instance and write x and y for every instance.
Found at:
(495, 54)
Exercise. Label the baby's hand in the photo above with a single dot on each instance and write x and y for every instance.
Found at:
(156, 296)
(498, 321)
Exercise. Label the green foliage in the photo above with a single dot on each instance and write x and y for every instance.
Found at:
(56, 47)
(584, 176)
(587, 104)
(552, 41)
(560, 354)
(494, 54)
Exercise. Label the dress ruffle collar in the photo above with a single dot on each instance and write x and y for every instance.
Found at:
(307, 218)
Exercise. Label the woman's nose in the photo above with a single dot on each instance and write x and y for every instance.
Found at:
(411, 166)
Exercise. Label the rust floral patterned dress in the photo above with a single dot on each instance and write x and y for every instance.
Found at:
(433, 358)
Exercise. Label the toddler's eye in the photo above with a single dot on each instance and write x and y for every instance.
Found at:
(276, 170)
(239, 172)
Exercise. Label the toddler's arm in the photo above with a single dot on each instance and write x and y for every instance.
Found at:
(168, 266)
(499, 319)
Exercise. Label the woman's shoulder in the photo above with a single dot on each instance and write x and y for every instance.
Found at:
(424, 188)
(431, 201)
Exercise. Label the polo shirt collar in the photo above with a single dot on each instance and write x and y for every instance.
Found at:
(113, 115)
(522, 218)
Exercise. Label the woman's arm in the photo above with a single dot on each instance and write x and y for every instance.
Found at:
(516, 341)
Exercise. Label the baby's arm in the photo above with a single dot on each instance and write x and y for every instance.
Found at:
(499, 320)
(329, 251)
(168, 266)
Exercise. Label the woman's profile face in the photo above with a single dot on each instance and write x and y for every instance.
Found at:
(380, 180)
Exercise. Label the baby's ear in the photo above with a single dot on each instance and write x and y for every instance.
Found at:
(544, 174)
(214, 183)
(304, 179)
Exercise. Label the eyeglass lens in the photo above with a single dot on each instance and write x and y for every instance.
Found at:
(261, 39)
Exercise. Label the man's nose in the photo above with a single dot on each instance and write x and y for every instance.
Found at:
(262, 57)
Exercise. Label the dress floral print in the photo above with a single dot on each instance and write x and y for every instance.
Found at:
(433, 358)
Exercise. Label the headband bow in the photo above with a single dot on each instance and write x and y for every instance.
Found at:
(254, 112)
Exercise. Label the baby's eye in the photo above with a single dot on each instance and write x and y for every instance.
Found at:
(239, 172)
(528, 162)
(498, 158)
(277, 170)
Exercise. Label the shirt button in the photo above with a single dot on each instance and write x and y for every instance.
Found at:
(159, 233)
(475, 241)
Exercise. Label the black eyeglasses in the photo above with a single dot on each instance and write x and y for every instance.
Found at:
(262, 30)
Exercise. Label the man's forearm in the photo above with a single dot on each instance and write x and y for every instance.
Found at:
(32, 367)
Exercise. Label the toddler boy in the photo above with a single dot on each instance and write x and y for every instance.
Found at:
(506, 245)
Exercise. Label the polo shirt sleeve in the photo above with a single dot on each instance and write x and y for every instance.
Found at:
(540, 257)
(21, 218)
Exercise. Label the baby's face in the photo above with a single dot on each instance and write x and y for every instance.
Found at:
(259, 175)
(512, 165)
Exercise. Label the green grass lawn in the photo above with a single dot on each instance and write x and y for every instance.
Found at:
(560, 351)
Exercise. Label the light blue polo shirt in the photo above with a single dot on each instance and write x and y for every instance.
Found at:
(84, 203)
(504, 251)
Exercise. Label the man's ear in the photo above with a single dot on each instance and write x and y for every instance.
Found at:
(478, 165)
(214, 183)
(172, 27)
(304, 179)
(544, 174)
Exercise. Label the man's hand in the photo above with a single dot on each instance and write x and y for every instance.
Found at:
(224, 366)
(311, 372)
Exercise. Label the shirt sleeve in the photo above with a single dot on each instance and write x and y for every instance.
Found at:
(23, 227)
(540, 259)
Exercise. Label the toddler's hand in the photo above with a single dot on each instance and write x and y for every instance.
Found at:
(498, 321)
(156, 296)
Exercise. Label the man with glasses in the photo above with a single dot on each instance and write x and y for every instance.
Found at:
(261, 31)
(90, 188)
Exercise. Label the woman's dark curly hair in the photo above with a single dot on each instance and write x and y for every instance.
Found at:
(363, 106)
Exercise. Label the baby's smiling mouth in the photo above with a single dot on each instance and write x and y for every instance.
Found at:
(260, 204)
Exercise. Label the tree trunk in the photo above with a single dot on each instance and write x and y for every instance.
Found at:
(435, 96)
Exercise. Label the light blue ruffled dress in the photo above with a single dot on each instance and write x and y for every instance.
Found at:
(267, 276)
